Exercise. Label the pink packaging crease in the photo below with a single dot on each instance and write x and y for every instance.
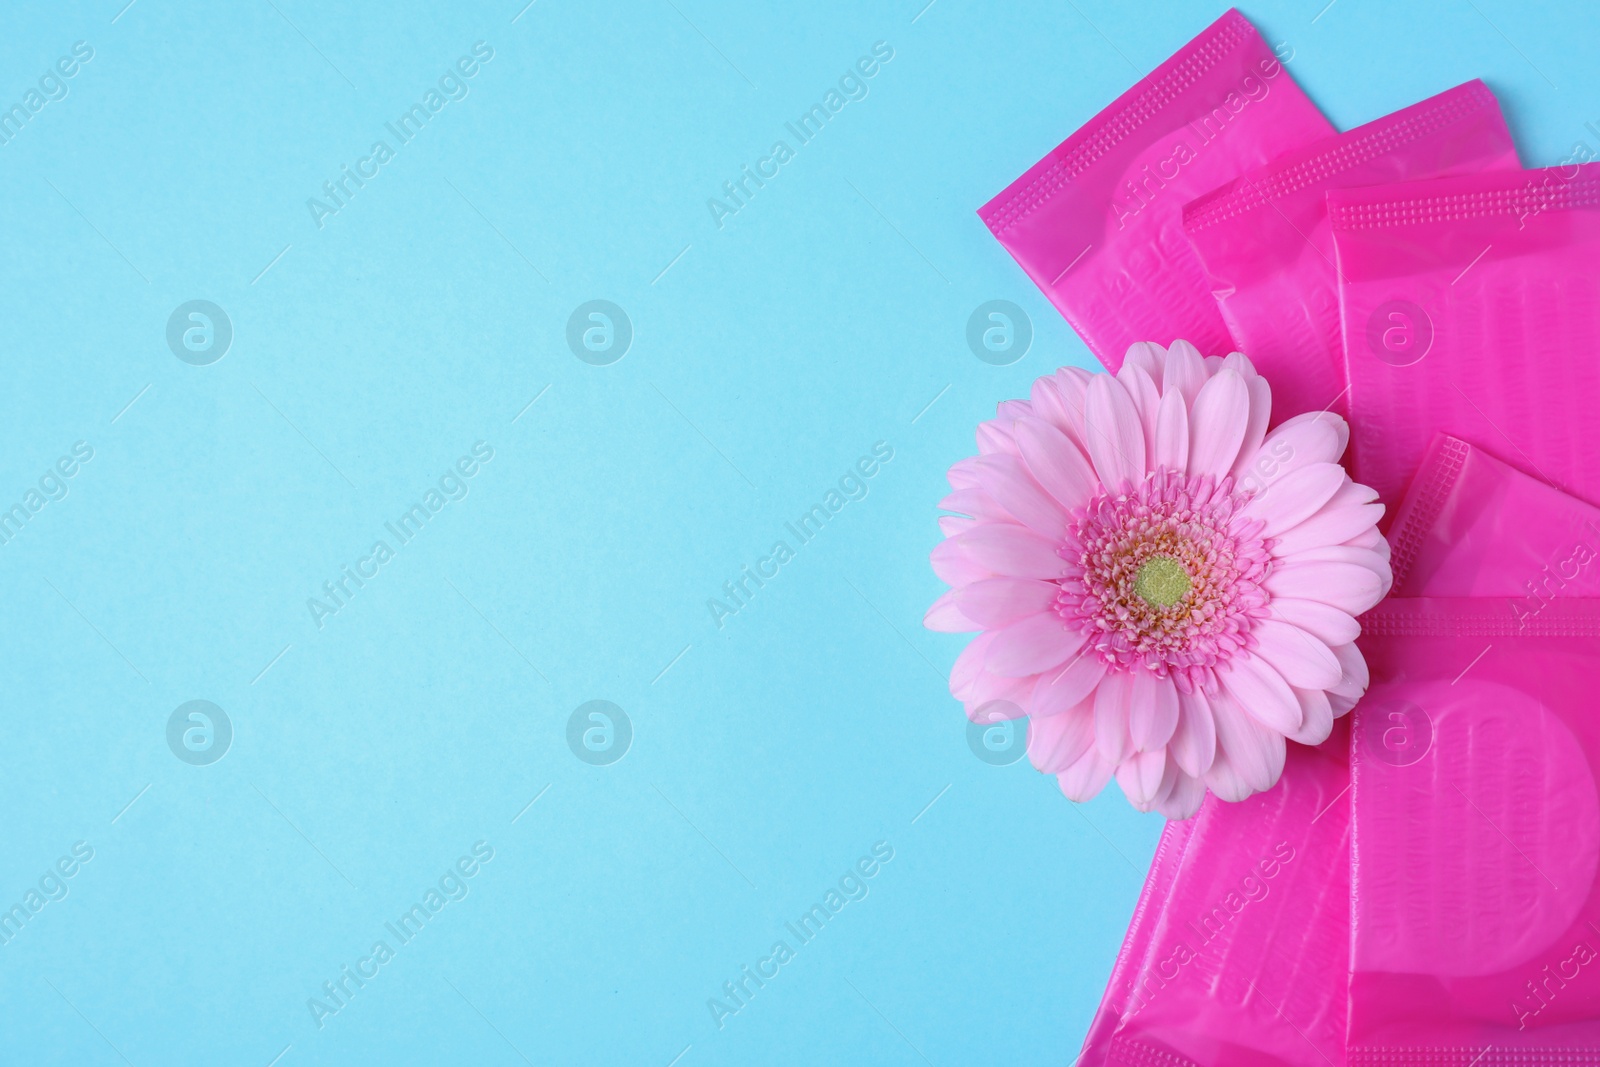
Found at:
(1097, 224)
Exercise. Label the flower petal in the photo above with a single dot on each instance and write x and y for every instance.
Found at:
(1055, 742)
(950, 525)
(1217, 424)
(1172, 434)
(1084, 779)
(1354, 681)
(1333, 524)
(973, 502)
(1347, 586)
(1115, 438)
(1153, 713)
(1055, 463)
(1255, 430)
(999, 602)
(1323, 621)
(1316, 714)
(1148, 357)
(1253, 752)
(1240, 362)
(1146, 399)
(1013, 488)
(1371, 539)
(1185, 371)
(1183, 799)
(1260, 691)
(1361, 557)
(1354, 493)
(1227, 783)
(1340, 427)
(1003, 548)
(944, 617)
(1048, 404)
(969, 665)
(1194, 742)
(1061, 690)
(1295, 497)
(1112, 705)
(1032, 646)
(1297, 443)
(963, 474)
(1140, 777)
(1004, 698)
(1371, 559)
(955, 567)
(1061, 402)
(994, 438)
(1303, 660)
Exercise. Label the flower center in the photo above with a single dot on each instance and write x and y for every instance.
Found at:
(1167, 577)
(1161, 581)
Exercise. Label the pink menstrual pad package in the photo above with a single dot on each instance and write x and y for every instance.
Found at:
(1473, 867)
(1097, 223)
(1476, 915)
(1471, 306)
(1239, 947)
(1266, 244)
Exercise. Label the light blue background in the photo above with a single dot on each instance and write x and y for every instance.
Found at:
(768, 356)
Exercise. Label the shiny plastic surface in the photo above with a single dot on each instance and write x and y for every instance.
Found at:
(1472, 525)
(1471, 306)
(1266, 244)
(1097, 223)
(1240, 944)
(1476, 916)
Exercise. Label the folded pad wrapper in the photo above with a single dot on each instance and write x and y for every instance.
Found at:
(1098, 223)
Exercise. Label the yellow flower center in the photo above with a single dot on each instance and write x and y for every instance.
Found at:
(1161, 582)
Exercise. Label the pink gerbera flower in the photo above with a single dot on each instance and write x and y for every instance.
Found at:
(1168, 590)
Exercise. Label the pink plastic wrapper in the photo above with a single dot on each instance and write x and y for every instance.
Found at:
(1474, 526)
(1266, 244)
(1477, 836)
(1239, 946)
(1471, 306)
(1097, 223)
